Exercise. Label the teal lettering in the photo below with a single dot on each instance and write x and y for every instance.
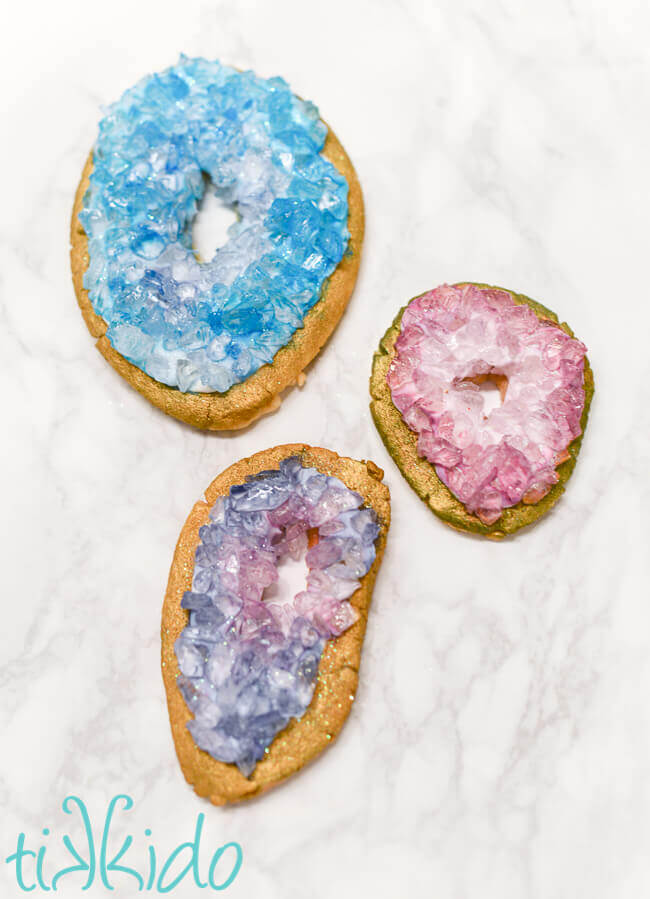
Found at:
(104, 868)
(39, 865)
(17, 857)
(67, 842)
(239, 857)
(192, 865)
(152, 863)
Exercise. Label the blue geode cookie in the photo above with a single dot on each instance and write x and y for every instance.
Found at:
(202, 327)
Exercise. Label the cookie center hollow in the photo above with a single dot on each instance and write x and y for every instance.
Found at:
(292, 579)
(214, 218)
(493, 387)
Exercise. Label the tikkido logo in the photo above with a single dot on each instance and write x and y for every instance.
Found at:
(103, 866)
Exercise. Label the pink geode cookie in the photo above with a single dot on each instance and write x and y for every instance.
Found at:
(449, 344)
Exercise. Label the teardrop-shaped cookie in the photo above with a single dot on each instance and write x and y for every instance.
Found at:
(259, 682)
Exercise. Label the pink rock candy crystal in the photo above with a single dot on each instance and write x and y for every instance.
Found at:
(450, 338)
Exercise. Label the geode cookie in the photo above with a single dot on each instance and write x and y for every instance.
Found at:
(214, 343)
(259, 682)
(487, 471)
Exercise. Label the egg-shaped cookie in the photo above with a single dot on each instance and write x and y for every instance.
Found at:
(260, 681)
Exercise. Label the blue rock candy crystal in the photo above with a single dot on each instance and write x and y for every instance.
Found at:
(248, 665)
(204, 326)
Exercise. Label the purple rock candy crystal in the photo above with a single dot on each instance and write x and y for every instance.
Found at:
(248, 665)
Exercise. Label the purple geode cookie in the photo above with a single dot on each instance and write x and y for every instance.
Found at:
(248, 665)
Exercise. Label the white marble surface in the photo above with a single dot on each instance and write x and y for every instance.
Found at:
(500, 744)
